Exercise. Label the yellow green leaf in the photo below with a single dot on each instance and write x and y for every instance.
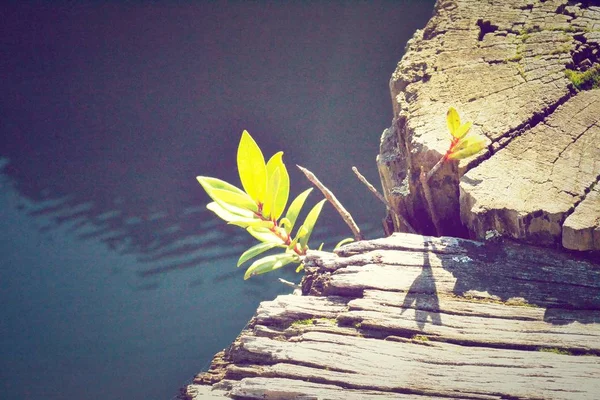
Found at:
(299, 268)
(270, 263)
(264, 235)
(271, 195)
(294, 209)
(252, 168)
(309, 222)
(254, 251)
(283, 191)
(463, 130)
(235, 199)
(343, 242)
(285, 224)
(226, 214)
(301, 232)
(457, 130)
(453, 121)
(254, 223)
(213, 184)
(209, 184)
(467, 147)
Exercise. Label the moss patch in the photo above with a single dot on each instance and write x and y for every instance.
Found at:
(586, 80)
(422, 338)
(313, 321)
(555, 350)
(515, 301)
(301, 322)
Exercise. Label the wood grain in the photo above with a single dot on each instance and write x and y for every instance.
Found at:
(419, 317)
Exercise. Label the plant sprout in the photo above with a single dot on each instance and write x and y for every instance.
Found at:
(462, 144)
(259, 208)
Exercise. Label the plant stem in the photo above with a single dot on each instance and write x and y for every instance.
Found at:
(436, 167)
(380, 197)
(287, 240)
(334, 201)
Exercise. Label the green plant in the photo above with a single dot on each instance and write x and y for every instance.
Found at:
(555, 350)
(565, 48)
(589, 79)
(517, 57)
(462, 144)
(259, 207)
(301, 322)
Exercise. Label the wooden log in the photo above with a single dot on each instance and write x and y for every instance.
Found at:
(419, 317)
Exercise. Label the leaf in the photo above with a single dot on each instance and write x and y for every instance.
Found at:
(264, 235)
(254, 251)
(309, 222)
(467, 147)
(453, 121)
(300, 268)
(211, 184)
(283, 191)
(301, 232)
(457, 130)
(236, 219)
(271, 195)
(343, 242)
(270, 263)
(253, 223)
(235, 199)
(294, 209)
(463, 130)
(252, 168)
(285, 224)
(223, 213)
(293, 243)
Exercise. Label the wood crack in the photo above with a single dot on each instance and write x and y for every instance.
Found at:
(411, 335)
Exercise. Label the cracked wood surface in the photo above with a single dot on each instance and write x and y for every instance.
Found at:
(411, 316)
(502, 65)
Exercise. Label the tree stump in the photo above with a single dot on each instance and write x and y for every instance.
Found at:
(509, 66)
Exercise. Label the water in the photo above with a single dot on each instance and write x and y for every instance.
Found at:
(114, 280)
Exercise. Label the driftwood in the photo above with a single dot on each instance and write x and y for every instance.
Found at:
(411, 316)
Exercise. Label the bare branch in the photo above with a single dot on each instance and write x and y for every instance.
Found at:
(334, 201)
(380, 197)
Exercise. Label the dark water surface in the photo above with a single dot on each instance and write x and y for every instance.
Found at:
(114, 281)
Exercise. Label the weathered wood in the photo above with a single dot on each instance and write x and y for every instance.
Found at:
(205, 392)
(530, 187)
(502, 65)
(438, 369)
(581, 230)
(420, 317)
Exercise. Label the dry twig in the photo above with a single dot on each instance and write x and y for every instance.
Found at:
(380, 197)
(334, 201)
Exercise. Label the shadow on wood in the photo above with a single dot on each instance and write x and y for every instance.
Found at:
(412, 315)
